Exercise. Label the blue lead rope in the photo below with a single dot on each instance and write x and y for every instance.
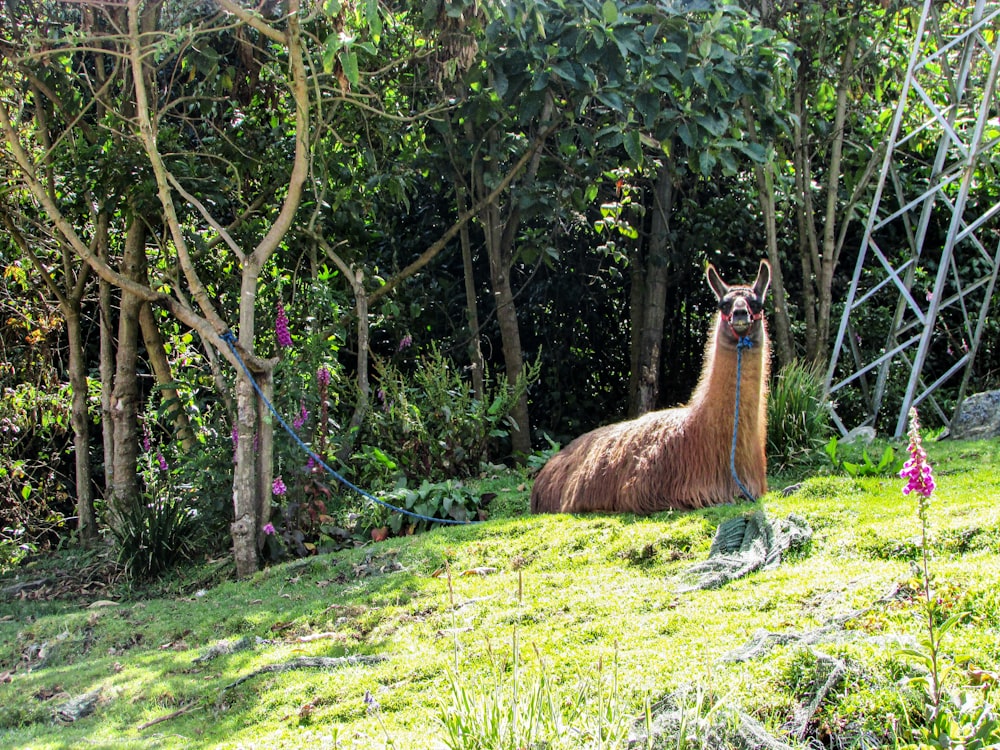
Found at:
(743, 343)
(230, 339)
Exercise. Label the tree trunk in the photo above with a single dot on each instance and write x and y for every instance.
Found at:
(471, 306)
(125, 489)
(107, 372)
(819, 253)
(808, 244)
(246, 527)
(356, 278)
(830, 255)
(153, 341)
(245, 503)
(265, 454)
(500, 253)
(781, 328)
(648, 338)
(86, 521)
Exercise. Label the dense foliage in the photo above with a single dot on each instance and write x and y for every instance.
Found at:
(435, 232)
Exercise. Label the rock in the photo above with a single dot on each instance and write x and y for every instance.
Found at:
(861, 435)
(978, 418)
(77, 708)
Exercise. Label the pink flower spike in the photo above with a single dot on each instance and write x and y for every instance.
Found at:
(281, 329)
(323, 376)
(278, 486)
(268, 529)
(406, 342)
(301, 418)
(161, 461)
(917, 471)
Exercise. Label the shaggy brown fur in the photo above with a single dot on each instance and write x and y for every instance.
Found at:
(678, 458)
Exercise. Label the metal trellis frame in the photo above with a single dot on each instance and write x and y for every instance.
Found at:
(940, 235)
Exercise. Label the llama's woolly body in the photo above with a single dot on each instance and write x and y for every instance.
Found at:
(675, 458)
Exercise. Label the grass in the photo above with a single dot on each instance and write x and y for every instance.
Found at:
(546, 603)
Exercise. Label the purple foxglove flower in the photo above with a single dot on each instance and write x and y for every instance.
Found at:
(278, 486)
(917, 471)
(323, 376)
(268, 529)
(281, 328)
(301, 418)
(406, 342)
(161, 461)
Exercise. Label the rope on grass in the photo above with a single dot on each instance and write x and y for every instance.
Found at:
(230, 340)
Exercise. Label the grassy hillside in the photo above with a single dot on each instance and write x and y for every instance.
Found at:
(586, 615)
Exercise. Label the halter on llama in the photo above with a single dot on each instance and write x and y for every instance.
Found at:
(680, 458)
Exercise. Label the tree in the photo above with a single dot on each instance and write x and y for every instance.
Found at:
(677, 111)
(848, 63)
(150, 116)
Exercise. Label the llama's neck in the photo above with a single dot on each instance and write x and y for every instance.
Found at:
(716, 391)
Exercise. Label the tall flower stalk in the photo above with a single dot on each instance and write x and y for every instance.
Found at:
(281, 329)
(920, 482)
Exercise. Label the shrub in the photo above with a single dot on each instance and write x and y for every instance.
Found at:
(151, 537)
(431, 425)
(798, 416)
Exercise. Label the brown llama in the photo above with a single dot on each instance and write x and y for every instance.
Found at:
(679, 458)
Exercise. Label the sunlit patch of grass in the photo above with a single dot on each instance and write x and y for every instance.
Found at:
(579, 591)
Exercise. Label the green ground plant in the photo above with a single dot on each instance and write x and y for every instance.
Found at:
(195, 659)
(952, 717)
(798, 416)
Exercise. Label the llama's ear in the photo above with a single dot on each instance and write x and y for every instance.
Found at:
(763, 280)
(720, 287)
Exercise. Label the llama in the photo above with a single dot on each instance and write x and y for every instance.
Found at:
(679, 458)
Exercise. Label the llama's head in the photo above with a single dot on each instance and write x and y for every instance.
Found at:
(742, 307)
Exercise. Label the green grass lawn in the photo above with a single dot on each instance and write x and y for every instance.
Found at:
(586, 611)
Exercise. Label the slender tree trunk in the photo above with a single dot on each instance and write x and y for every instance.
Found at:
(510, 333)
(357, 281)
(808, 245)
(155, 350)
(107, 373)
(70, 299)
(781, 327)
(471, 306)
(637, 292)
(828, 260)
(819, 251)
(265, 454)
(648, 338)
(125, 489)
(246, 527)
(86, 521)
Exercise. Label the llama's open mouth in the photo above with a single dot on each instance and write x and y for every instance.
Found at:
(740, 326)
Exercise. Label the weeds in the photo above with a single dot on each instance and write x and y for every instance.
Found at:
(888, 464)
(964, 719)
(520, 709)
(798, 417)
(152, 537)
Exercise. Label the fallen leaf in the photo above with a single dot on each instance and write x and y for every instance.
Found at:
(380, 534)
(484, 571)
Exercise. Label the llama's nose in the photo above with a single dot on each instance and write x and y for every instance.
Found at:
(740, 317)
